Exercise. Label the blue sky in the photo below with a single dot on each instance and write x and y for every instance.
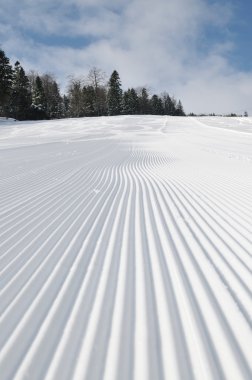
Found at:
(198, 50)
(240, 30)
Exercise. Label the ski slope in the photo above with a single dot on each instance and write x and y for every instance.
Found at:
(126, 249)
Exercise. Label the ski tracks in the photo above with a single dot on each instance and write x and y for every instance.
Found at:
(116, 266)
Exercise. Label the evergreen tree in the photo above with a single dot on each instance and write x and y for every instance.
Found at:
(156, 105)
(134, 102)
(56, 102)
(6, 76)
(179, 109)
(56, 111)
(126, 109)
(65, 106)
(130, 102)
(20, 99)
(39, 100)
(89, 101)
(144, 102)
(169, 104)
(53, 99)
(114, 94)
(174, 106)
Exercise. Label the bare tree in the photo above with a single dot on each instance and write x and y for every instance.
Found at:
(97, 79)
(75, 97)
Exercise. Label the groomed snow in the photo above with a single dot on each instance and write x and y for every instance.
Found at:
(126, 247)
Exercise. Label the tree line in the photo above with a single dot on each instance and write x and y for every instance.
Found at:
(36, 97)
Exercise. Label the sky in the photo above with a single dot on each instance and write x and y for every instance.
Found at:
(197, 50)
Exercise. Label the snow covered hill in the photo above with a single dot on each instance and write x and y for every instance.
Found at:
(126, 249)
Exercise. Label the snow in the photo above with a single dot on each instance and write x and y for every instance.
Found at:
(126, 247)
(6, 120)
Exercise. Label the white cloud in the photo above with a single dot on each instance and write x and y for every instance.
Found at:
(162, 44)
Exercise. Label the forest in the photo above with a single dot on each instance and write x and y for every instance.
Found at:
(34, 96)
